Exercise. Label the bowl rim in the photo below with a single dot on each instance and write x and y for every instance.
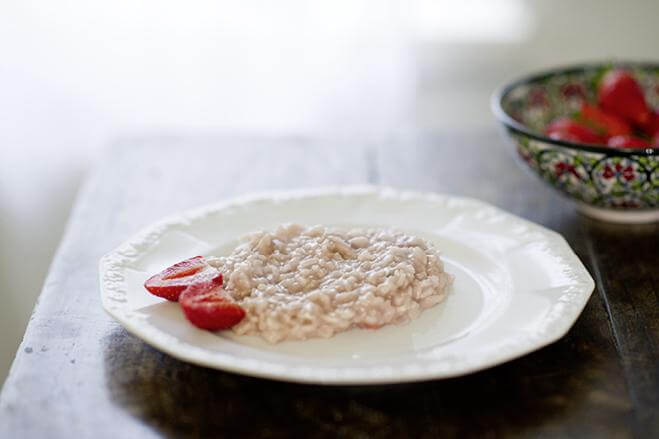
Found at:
(503, 117)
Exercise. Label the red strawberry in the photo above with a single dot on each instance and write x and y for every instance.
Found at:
(652, 127)
(655, 141)
(565, 128)
(208, 306)
(620, 94)
(170, 282)
(627, 142)
(603, 123)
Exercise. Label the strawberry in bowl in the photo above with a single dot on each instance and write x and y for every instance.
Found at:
(620, 117)
(594, 136)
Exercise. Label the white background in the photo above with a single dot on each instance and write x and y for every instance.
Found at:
(76, 75)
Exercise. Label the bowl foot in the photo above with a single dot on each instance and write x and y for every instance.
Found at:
(637, 216)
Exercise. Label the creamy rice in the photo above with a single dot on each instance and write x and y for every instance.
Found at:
(297, 283)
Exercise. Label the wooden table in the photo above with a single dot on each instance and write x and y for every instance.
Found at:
(79, 374)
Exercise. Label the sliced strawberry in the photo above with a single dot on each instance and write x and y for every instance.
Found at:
(208, 306)
(603, 123)
(170, 282)
(565, 128)
(620, 95)
(627, 142)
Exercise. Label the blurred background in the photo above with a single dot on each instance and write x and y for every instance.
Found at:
(78, 75)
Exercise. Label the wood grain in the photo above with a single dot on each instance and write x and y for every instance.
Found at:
(627, 271)
(79, 374)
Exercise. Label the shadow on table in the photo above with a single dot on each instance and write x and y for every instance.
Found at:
(557, 391)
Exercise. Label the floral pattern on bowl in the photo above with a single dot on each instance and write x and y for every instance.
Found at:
(593, 175)
(594, 178)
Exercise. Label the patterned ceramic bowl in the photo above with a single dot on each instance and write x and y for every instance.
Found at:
(612, 184)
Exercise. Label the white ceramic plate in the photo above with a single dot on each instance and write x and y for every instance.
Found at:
(518, 287)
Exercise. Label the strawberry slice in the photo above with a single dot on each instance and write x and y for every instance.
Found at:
(620, 95)
(603, 123)
(565, 128)
(627, 142)
(207, 306)
(170, 282)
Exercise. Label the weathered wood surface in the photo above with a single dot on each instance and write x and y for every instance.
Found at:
(79, 374)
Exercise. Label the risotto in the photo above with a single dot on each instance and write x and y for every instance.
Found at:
(301, 282)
